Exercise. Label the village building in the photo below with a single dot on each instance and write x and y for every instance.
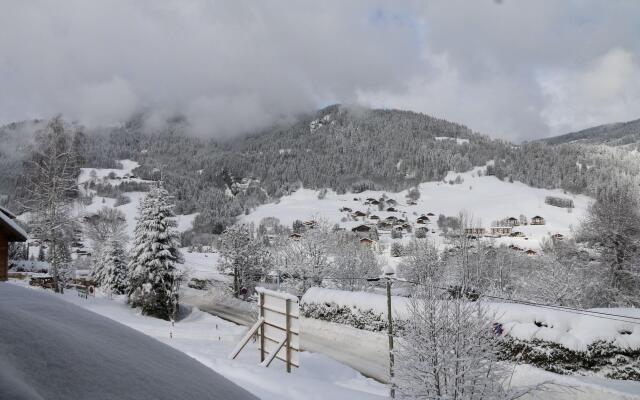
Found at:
(361, 229)
(512, 221)
(391, 209)
(346, 209)
(367, 241)
(431, 214)
(422, 220)
(474, 231)
(10, 231)
(374, 217)
(310, 224)
(391, 218)
(411, 203)
(530, 252)
(557, 236)
(537, 220)
(392, 202)
(500, 230)
(514, 247)
(374, 202)
(517, 234)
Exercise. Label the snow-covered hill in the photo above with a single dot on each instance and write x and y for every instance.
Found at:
(115, 177)
(484, 199)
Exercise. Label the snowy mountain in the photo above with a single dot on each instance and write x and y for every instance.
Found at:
(616, 134)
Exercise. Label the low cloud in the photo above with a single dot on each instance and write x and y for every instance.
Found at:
(517, 70)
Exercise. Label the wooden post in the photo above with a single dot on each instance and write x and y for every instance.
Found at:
(390, 333)
(288, 326)
(4, 258)
(262, 352)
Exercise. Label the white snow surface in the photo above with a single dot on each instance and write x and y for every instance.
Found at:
(52, 349)
(130, 210)
(210, 340)
(574, 331)
(483, 198)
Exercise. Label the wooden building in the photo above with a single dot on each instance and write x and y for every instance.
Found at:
(512, 221)
(475, 231)
(537, 220)
(500, 230)
(10, 231)
(422, 219)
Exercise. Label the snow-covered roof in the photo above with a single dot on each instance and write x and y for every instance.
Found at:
(16, 233)
(7, 212)
(53, 349)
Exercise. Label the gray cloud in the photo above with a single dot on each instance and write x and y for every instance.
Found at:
(516, 69)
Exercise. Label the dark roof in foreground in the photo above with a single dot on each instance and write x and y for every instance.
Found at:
(51, 349)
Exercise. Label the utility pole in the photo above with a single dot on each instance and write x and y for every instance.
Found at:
(390, 334)
(389, 276)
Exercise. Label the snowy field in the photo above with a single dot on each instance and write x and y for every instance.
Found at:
(484, 199)
(130, 210)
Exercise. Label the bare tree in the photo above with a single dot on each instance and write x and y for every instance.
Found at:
(612, 226)
(422, 262)
(449, 350)
(50, 174)
(352, 262)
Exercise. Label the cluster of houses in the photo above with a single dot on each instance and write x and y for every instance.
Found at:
(504, 230)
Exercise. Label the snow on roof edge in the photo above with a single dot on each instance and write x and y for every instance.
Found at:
(13, 226)
(280, 295)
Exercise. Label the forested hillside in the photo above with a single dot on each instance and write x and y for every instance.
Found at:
(617, 134)
(343, 148)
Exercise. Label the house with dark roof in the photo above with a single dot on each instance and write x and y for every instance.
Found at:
(537, 220)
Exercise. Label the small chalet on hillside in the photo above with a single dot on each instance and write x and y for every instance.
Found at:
(422, 219)
(537, 220)
(374, 217)
(512, 221)
(474, 231)
(10, 231)
(500, 230)
(361, 229)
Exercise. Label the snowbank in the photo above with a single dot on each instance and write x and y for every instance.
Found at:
(52, 349)
(571, 330)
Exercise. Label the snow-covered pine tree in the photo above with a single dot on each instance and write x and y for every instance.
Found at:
(153, 276)
(114, 271)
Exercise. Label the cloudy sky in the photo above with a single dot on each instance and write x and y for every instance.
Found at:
(511, 69)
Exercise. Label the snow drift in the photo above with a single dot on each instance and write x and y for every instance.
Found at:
(52, 349)
(571, 330)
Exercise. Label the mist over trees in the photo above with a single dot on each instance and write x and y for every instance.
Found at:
(338, 148)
